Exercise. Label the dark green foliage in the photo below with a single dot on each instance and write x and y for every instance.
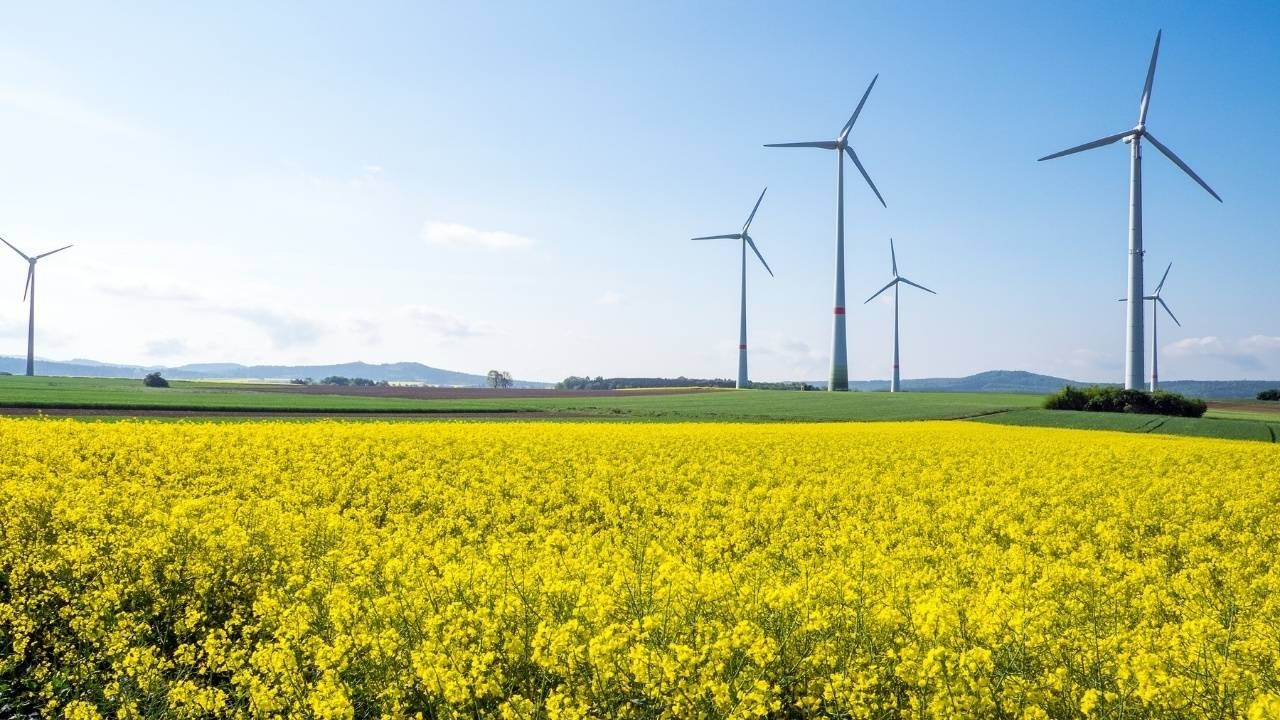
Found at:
(341, 381)
(1269, 395)
(1114, 399)
(154, 380)
(302, 381)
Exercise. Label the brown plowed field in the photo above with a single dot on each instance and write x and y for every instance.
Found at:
(1247, 406)
(444, 393)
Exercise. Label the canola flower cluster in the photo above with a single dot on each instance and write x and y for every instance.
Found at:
(572, 571)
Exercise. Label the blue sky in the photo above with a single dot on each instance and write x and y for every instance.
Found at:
(513, 185)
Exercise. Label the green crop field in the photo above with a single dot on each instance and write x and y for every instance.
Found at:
(753, 405)
(125, 397)
(1221, 427)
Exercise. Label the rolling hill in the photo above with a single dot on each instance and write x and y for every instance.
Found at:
(409, 372)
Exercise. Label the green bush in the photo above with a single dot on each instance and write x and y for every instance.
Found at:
(1269, 395)
(1114, 399)
(154, 380)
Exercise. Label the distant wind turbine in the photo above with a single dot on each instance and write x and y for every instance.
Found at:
(839, 378)
(895, 383)
(29, 294)
(1134, 362)
(1155, 330)
(742, 319)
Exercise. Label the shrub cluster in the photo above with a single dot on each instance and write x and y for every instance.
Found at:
(341, 381)
(1114, 399)
(154, 380)
(1273, 394)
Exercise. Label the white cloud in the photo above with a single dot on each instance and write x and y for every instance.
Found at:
(283, 326)
(1208, 345)
(144, 290)
(1256, 352)
(166, 347)
(365, 330)
(463, 236)
(444, 324)
(609, 298)
(1261, 343)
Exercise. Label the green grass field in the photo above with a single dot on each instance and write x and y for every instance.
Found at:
(754, 405)
(1209, 426)
(126, 396)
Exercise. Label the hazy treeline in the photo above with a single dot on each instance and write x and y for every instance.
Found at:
(573, 382)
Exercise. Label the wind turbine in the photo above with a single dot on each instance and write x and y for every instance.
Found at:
(895, 383)
(29, 293)
(839, 378)
(1155, 330)
(1134, 361)
(742, 319)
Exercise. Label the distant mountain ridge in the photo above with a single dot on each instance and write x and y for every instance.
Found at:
(1017, 381)
(1021, 381)
(411, 372)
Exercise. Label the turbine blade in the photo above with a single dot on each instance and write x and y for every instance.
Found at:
(64, 247)
(854, 156)
(27, 285)
(1178, 161)
(844, 131)
(1089, 145)
(24, 255)
(1163, 277)
(1151, 75)
(917, 285)
(886, 287)
(893, 257)
(824, 144)
(757, 252)
(734, 236)
(1166, 309)
(752, 216)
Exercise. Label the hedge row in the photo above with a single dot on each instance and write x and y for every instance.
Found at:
(1114, 399)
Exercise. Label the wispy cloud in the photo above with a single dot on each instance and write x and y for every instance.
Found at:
(283, 326)
(463, 236)
(12, 327)
(144, 290)
(1255, 352)
(609, 297)
(64, 110)
(165, 347)
(444, 324)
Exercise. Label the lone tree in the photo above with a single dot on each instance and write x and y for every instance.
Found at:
(154, 380)
(499, 379)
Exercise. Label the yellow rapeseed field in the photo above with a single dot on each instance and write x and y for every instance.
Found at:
(483, 570)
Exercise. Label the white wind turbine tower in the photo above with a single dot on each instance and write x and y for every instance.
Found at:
(1156, 300)
(742, 318)
(1134, 361)
(29, 294)
(839, 378)
(895, 383)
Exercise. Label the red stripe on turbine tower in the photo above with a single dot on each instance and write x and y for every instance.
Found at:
(742, 347)
(839, 311)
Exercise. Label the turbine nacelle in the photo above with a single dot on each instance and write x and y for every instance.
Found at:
(841, 143)
(1140, 131)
